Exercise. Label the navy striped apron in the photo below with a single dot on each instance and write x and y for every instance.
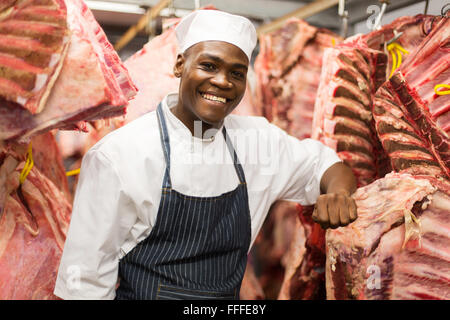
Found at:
(198, 246)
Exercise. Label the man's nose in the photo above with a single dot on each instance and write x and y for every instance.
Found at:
(221, 80)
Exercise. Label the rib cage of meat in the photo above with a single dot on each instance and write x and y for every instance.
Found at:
(34, 38)
(386, 255)
(412, 121)
(342, 114)
(397, 249)
(351, 75)
(92, 83)
(288, 70)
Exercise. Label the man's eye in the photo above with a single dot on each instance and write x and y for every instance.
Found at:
(238, 74)
(208, 66)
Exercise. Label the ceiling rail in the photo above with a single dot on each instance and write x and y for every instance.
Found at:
(151, 13)
(302, 13)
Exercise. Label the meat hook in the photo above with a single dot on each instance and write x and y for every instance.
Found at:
(395, 37)
(344, 18)
(444, 12)
(384, 4)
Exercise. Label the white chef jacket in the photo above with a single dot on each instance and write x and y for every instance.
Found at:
(119, 188)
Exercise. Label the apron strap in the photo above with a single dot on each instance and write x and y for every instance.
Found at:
(164, 135)
(237, 163)
(163, 132)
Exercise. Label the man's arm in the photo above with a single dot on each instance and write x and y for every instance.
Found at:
(335, 207)
(99, 223)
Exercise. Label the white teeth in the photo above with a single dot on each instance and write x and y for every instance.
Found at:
(213, 98)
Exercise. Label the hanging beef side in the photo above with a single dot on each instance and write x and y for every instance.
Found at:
(34, 220)
(412, 121)
(352, 73)
(342, 114)
(288, 71)
(398, 247)
(57, 70)
(91, 84)
(34, 38)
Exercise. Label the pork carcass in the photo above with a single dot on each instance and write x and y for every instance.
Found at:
(61, 74)
(288, 70)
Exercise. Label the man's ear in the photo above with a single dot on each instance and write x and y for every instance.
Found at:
(179, 65)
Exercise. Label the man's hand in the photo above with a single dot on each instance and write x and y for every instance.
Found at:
(333, 210)
(335, 207)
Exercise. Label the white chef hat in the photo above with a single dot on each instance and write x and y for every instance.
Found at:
(204, 25)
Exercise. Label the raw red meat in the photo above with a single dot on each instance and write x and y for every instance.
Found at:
(31, 241)
(412, 121)
(151, 69)
(92, 84)
(34, 38)
(342, 114)
(352, 73)
(251, 287)
(343, 120)
(288, 71)
(46, 157)
(304, 277)
(292, 260)
(397, 248)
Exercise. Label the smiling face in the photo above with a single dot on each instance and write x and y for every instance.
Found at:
(213, 81)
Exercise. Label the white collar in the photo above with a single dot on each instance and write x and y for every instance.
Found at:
(168, 103)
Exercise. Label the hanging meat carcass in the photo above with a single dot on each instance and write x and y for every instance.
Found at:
(413, 122)
(34, 219)
(288, 70)
(58, 69)
(397, 249)
(27, 78)
(352, 73)
(398, 246)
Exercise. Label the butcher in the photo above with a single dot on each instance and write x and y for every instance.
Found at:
(168, 206)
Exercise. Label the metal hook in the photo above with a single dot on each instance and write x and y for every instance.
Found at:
(425, 10)
(384, 4)
(171, 8)
(396, 36)
(344, 18)
(444, 13)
